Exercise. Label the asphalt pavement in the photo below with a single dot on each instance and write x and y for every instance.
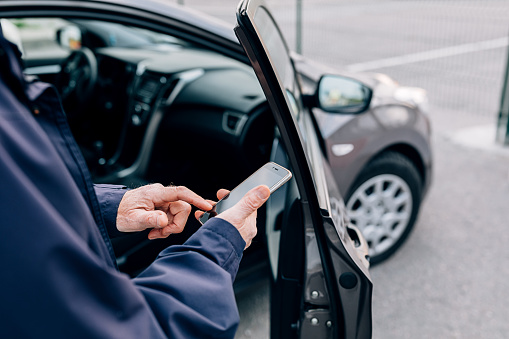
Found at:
(450, 279)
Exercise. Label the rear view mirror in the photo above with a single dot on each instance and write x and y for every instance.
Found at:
(69, 37)
(337, 94)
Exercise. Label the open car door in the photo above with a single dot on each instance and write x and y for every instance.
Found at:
(321, 286)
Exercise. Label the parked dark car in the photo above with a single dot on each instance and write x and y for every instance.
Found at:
(137, 77)
(380, 158)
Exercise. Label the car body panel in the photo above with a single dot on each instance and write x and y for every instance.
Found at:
(380, 129)
(388, 124)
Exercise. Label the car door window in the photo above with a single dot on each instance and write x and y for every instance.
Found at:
(36, 36)
(278, 53)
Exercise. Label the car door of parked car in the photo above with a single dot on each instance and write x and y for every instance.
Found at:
(321, 286)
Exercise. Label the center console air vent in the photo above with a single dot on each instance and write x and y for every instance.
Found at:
(147, 89)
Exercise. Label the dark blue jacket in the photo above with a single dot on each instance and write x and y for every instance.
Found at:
(58, 277)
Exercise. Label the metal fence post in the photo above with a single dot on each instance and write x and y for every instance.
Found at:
(503, 115)
(298, 33)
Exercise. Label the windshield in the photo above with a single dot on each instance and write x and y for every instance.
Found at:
(117, 35)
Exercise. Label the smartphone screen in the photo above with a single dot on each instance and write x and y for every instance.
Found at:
(271, 174)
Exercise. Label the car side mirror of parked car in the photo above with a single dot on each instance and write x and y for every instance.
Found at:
(337, 94)
(69, 37)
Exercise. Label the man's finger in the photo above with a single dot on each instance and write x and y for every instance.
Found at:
(149, 219)
(253, 200)
(222, 193)
(163, 195)
(156, 233)
(180, 211)
(198, 214)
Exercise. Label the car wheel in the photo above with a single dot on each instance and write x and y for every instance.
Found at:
(383, 203)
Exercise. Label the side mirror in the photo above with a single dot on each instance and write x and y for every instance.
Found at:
(69, 37)
(337, 94)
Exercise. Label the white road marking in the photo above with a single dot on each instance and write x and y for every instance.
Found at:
(429, 55)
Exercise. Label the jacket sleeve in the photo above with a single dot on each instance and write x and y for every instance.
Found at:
(54, 285)
(109, 197)
(194, 284)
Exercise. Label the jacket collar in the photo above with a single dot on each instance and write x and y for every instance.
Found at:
(11, 68)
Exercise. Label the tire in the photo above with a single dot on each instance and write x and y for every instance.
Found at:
(384, 202)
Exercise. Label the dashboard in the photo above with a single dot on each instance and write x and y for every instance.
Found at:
(173, 112)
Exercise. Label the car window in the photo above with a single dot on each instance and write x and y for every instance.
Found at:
(36, 37)
(278, 53)
(117, 35)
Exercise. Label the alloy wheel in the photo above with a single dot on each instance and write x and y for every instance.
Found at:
(381, 208)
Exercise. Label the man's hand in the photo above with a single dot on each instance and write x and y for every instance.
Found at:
(243, 215)
(164, 209)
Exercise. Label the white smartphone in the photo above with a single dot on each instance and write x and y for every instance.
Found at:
(271, 174)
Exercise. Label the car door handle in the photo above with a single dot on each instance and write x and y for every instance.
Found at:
(358, 240)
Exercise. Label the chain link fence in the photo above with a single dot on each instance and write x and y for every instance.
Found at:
(455, 49)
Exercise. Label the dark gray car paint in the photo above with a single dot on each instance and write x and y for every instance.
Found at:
(372, 132)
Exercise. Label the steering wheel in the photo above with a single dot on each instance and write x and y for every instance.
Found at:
(77, 79)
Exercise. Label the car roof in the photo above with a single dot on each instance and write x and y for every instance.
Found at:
(181, 13)
(190, 17)
(157, 7)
